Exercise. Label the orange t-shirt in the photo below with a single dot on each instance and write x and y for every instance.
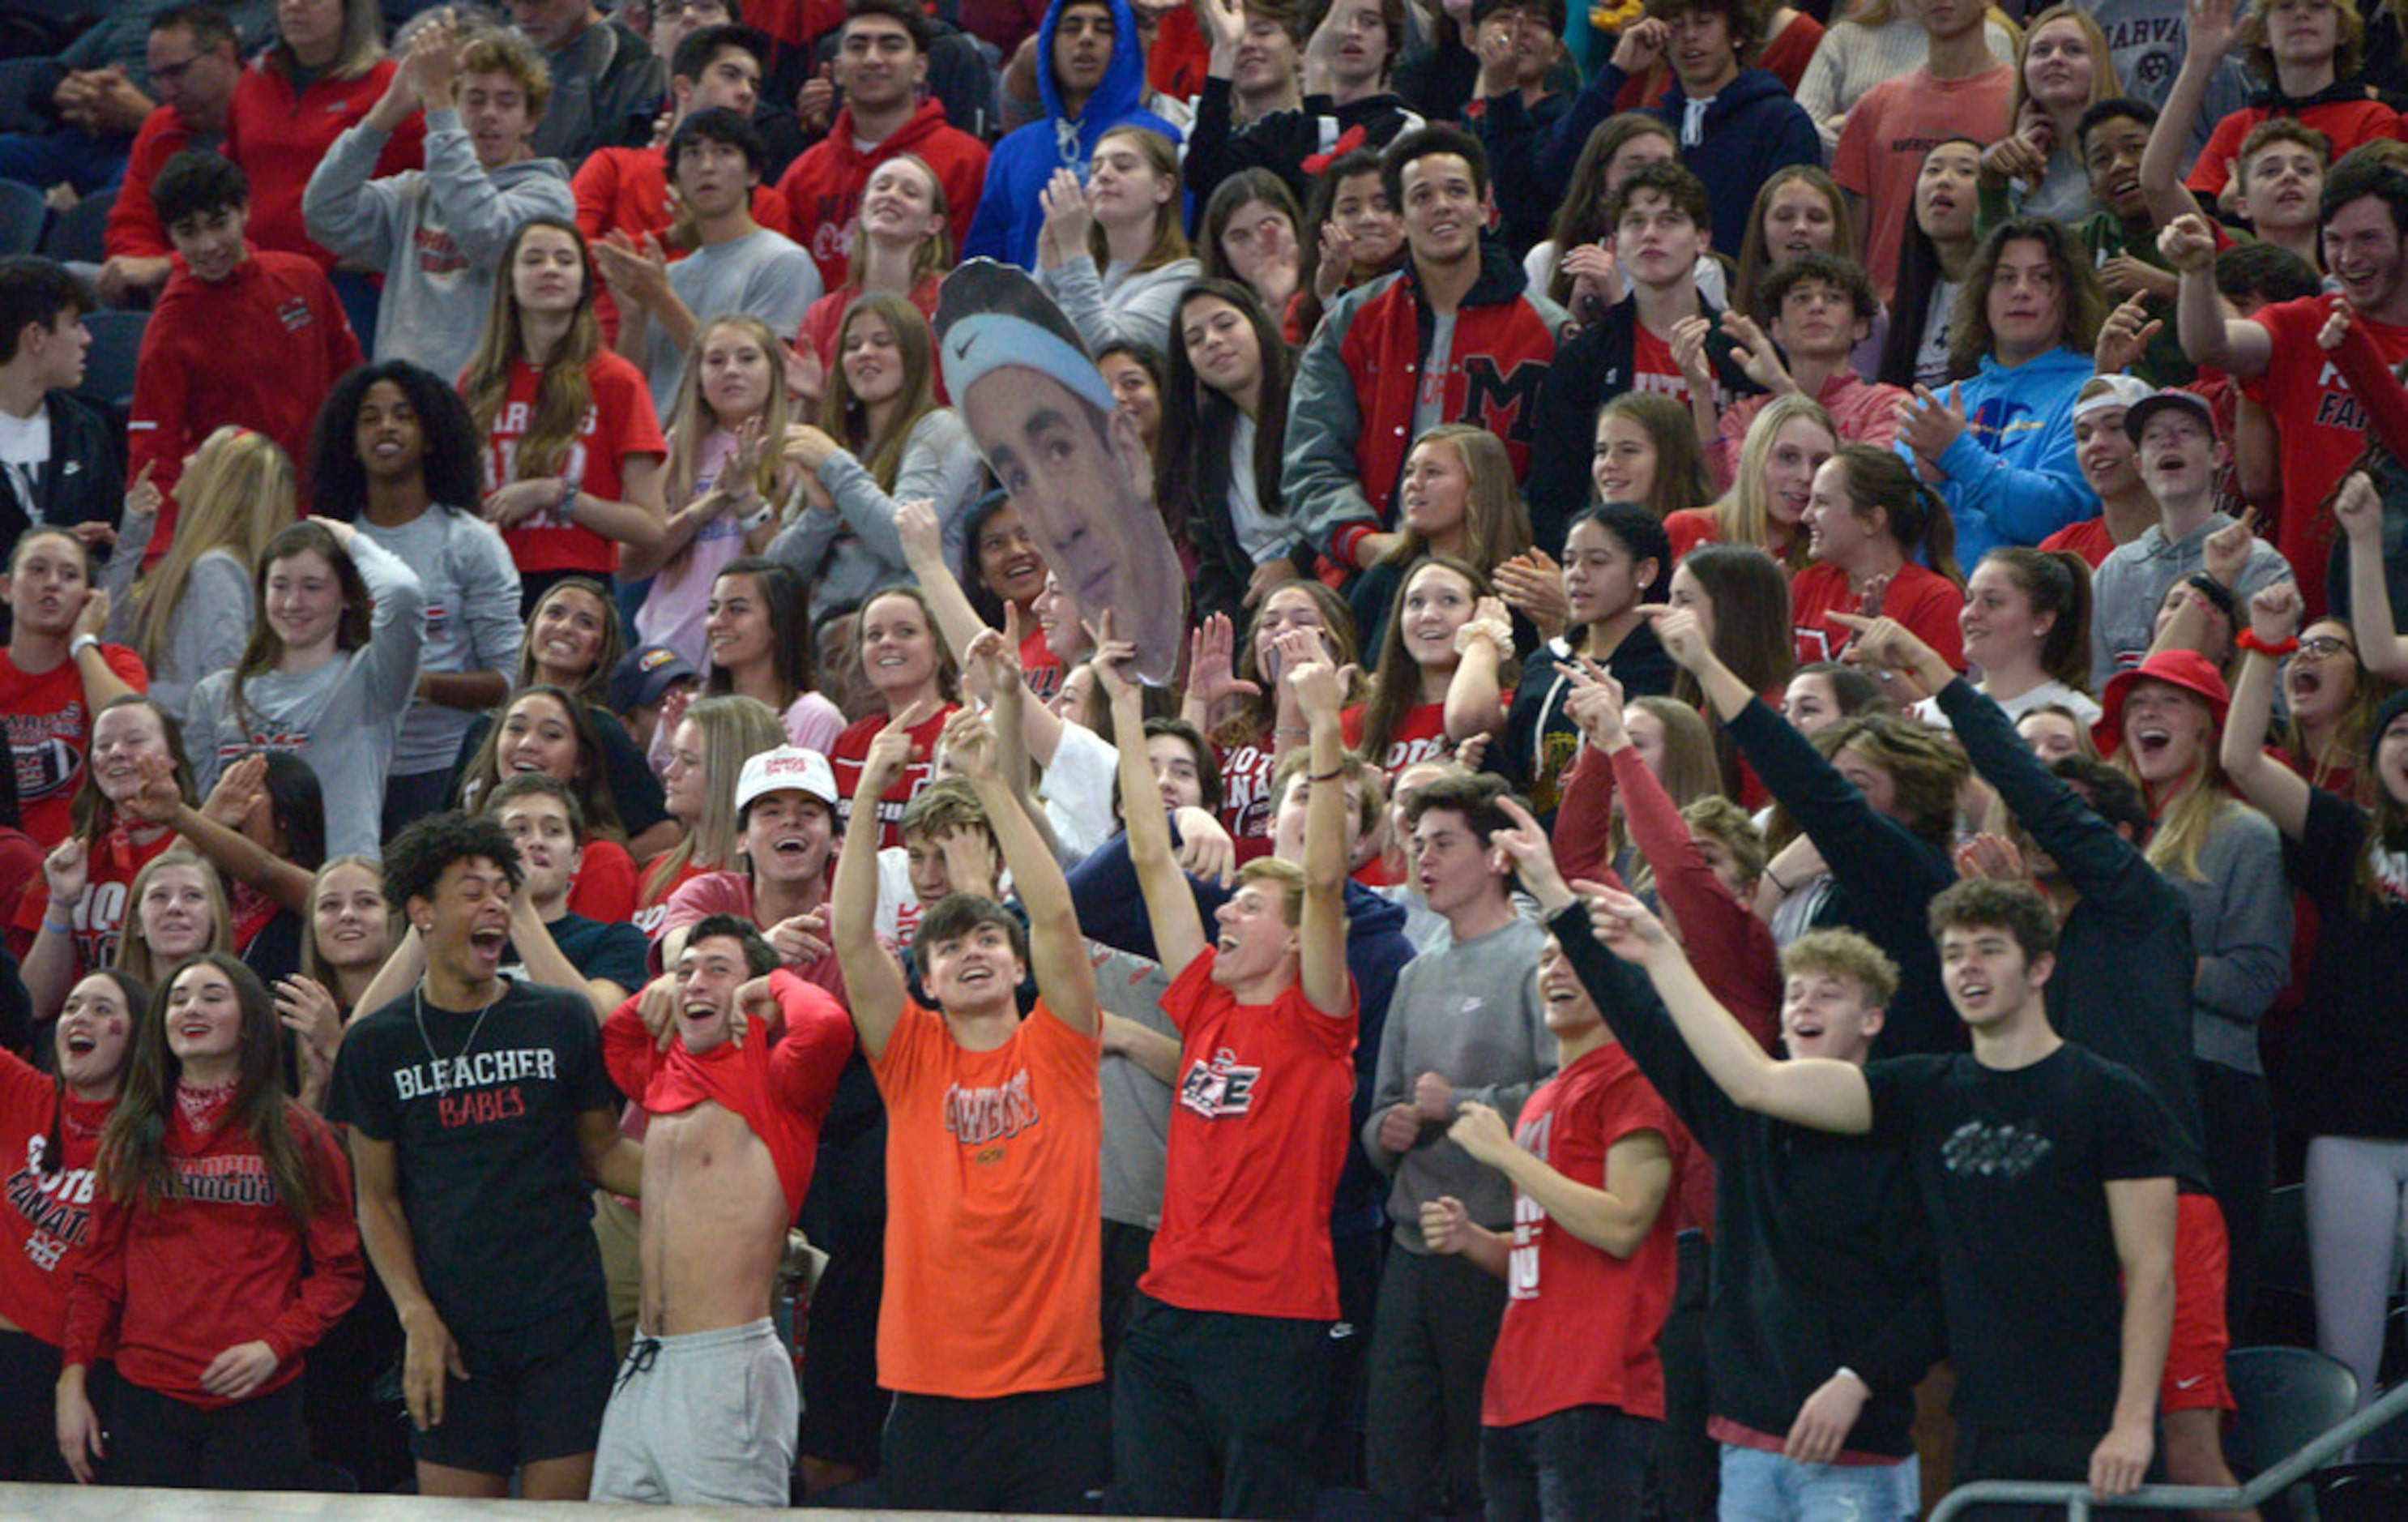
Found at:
(994, 1209)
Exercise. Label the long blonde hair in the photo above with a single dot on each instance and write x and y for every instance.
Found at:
(133, 954)
(1170, 233)
(692, 422)
(564, 396)
(2102, 62)
(237, 495)
(935, 254)
(733, 731)
(1744, 516)
(1496, 525)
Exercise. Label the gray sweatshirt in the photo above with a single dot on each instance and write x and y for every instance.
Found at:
(2128, 586)
(1470, 1013)
(1136, 1104)
(472, 621)
(342, 718)
(207, 631)
(1119, 305)
(847, 554)
(438, 233)
(2241, 932)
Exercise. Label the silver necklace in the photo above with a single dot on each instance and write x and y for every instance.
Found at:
(435, 1059)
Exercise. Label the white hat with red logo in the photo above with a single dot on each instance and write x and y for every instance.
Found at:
(789, 768)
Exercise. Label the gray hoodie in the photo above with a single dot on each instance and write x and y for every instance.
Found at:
(438, 233)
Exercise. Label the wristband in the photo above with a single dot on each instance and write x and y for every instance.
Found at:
(76, 646)
(2216, 592)
(1860, 1379)
(759, 520)
(568, 496)
(49, 923)
(2247, 640)
(1329, 776)
(1774, 878)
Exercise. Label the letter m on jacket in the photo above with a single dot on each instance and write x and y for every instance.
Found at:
(1501, 400)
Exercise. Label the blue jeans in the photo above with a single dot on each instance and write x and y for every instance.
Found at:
(68, 155)
(1760, 1486)
(1587, 1464)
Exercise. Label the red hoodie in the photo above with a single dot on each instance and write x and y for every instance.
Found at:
(49, 1212)
(220, 1264)
(822, 188)
(278, 134)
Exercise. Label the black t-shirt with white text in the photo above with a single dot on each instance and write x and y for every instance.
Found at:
(484, 1126)
(2013, 1165)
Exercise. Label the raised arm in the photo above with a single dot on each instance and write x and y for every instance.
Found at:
(2280, 793)
(1057, 952)
(1179, 935)
(2381, 649)
(2238, 347)
(1474, 695)
(1814, 1091)
(873, 982)
(1322, 925)
(2208, 35)
(924, 549)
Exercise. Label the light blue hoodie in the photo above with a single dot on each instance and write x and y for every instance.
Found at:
(2011, 476)
(1009, 215)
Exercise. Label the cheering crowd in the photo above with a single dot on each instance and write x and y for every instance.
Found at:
(1646, 762)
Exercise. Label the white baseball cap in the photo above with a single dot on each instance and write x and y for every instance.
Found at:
(788, 769)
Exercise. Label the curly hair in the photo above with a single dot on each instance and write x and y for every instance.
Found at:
(416, 859)
(338, 486)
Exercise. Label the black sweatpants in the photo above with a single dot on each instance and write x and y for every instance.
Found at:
(1439, 1315)
(255, 1444)
(1216, 1415)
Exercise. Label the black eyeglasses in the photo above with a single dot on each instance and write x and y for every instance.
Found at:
(2324, 645)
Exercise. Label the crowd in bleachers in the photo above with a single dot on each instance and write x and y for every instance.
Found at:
(1238, 759)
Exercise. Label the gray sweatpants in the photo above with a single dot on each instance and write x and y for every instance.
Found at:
(707, 1419)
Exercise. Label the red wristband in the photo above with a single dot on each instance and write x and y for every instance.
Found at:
(2247, 640)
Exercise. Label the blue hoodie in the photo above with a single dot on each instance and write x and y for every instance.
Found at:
(1008, 216)
(2011, 476)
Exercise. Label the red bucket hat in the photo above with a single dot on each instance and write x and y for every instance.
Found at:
(2188, 669)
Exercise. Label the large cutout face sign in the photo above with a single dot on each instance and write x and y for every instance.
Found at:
(1073, 465)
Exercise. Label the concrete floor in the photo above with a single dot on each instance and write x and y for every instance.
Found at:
(72, 1503)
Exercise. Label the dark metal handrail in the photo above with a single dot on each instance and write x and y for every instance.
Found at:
(2079, 1503)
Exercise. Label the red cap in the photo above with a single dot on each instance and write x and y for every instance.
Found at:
(2185, 668)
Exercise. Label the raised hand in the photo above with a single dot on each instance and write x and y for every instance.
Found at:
(1689, 352)
(1534, 859)
(1595, 703)
(1928, 426)
(1206, 852)
(1212, 664)
(801, 939)
(1318, 692)
(2358, 506)
(923, 535)
(1992, 858)
(1533, 586)
(66, 871)
(1643, 46)
(2226, 553)
(1683, 636)
(1757, 354)
(1623, 924)
(2188, 244)
(2274, 612)
(970, 744)
(890, 752)
(2124, 338)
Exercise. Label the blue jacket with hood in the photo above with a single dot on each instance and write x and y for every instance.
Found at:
(1009, 215)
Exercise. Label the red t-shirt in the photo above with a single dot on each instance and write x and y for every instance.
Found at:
(1879, 153)
(1690, 527)
(2323, 427)
(110, 867)
(1258, 1131)
(2088, 538)
(780, 1087)
(605, 886)
(1919, 597)
(1421, 735)
(620, 423)
(1040, 670)
(852, 749)
(48, 729)
(1652, 367)
(2345, 124)
(1579, 1323)
(1246, 770)
(655, 909)
(47, 1213)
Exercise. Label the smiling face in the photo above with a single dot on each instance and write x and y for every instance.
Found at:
(1254, 938)
(878, 65)
(304, 601)
(567, 634)
(1868, 775)
(1134, 394)
(204, 1016)
(93, 1035)
(467, 922)
(1946, 194)
(1834, 529)
(1702, 51)
(391, 446)
(1564, 998)
(2363, 251)
(2058, 66)
(120, 738)
(1601, 581)
(1289, 608)
(1222, 346)
(1825, 1014)
(348, 915)
(1997, 622)
(1989, 977)
(174, 916)
(2321, 680)
(681, 776)
(709, 972)
(787, 838)
(1444, 208)
(536, 736)
(899, 649)
(549, 854)
(974, 972)
(2027, 302)
(735, 623)
(1436, 494)
(2112, 153)
(898, 205)
(548, 276)
(1007, 561)
(211, 242)
(1623, 463)
(1083, 485)
(2110, 462)
(1268, 58)
(2166, 730)
(1435, 602)
(737, 374)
